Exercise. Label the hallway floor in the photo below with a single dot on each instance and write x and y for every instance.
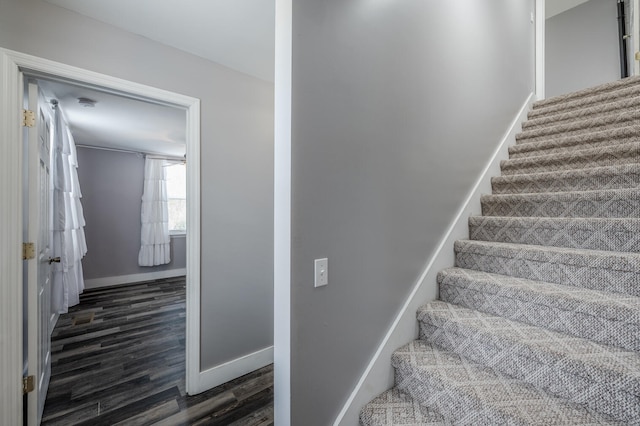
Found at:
(119, 358)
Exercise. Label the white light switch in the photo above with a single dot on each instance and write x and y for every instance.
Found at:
(321, 267)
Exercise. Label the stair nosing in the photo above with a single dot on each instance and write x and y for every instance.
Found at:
(579, 256)
(577, 153)
(399, 362)
(632, 315)
(554, 352)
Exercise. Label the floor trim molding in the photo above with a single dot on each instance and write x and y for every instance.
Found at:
(132, 278)
(378, 375)
(233, 369)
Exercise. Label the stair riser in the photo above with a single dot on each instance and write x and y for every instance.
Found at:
(585, 141)
(580, 128)
(592, 206)
(572, 381)
(566, 182)
(602, 93)
(453, 403)
(554, 163)
(560, 148)
(554, 271)
(583, 113)
(534, 309)
(393, 407)
(584, 235)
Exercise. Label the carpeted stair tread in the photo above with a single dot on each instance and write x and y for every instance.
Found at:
(585, 102)
(620, 203)
(594, 269)
(605, 378)
(614, 86)
(396, 408)
(590, 179)
(606, 317)
(619, 234)
(473, 394)
(563, 143)
(582, 126)
(628, 153)
(591, 110)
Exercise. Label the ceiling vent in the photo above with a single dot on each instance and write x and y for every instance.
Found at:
(86, 102)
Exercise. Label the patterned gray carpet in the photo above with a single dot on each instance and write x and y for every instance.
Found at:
(538, 323)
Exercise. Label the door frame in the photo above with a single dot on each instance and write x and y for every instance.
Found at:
(12, 65)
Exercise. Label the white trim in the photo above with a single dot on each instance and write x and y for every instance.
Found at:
(133, 278)
(635, 34)
(233, 369)
(11, 63)
(540, 49)
(378, 376)
(192, 356)
(282, 214)
(10, 242)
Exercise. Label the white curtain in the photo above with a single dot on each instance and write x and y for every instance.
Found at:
(154, 213)
(68, 221)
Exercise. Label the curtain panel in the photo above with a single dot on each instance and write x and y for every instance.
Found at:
(68, 220)
(154, 238)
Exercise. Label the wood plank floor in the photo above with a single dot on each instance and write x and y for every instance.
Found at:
(118, 358)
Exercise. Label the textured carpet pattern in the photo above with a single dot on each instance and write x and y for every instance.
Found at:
(579, 233)
(591, 179)
(539, 321)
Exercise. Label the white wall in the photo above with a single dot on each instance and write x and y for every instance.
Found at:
(236, 160)
(554, 7)
(582, 47)
(396, 108)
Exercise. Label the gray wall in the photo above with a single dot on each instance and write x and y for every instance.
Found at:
(111, 184)
(236, 160)
(582, 47)
(396, 109)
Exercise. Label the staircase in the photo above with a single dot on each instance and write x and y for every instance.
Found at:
(539, 322)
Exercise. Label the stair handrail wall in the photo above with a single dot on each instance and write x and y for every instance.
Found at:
(378, 376)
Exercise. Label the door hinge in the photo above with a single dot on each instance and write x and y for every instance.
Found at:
(28, 384)
(28, 251)
(28, 118)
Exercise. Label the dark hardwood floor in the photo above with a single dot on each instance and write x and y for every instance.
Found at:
(118, 358)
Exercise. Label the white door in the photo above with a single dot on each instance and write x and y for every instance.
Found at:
(39, 268)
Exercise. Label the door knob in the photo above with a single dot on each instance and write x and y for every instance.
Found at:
(54, 260)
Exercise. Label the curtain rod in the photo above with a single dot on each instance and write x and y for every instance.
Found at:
(128, 151)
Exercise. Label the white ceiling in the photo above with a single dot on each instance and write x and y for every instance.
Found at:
(119, 122)
(238, 34)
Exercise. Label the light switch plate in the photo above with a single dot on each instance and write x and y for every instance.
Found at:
(321, 268)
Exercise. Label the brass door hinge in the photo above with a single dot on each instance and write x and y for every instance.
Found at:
(28, 384)
(28, 118)
(28, 251)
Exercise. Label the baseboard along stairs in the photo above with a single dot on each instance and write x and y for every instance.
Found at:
(539, 321)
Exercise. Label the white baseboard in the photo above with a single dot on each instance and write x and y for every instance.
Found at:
(133, 278)
(378, 376)
(222, 373)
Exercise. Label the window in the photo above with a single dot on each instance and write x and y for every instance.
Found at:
(177, 197)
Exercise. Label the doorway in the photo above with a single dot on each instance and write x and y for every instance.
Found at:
(13, 68)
